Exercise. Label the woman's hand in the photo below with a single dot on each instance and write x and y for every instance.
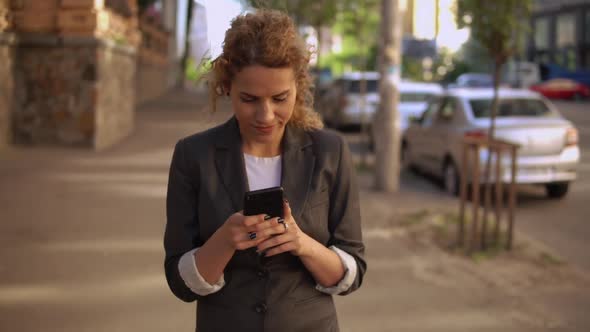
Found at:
(243, 232)
(288, 237)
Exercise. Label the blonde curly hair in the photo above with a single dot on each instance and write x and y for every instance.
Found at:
(267, 38)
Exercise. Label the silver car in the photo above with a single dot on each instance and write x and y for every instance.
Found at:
(549, 152)
(341, 105)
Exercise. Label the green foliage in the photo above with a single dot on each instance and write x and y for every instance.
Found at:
(497, 25)
(359, 22)
(356, 20)
(412, 68)
(312, 12)
(194, 72)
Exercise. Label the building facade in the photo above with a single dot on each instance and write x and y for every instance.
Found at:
(560, 34)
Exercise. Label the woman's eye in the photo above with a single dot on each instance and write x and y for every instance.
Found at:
(281, 99)
(247, 100)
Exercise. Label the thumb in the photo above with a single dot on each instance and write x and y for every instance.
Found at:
(286, 208)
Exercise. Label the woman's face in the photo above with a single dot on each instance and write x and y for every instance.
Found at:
(263, 100)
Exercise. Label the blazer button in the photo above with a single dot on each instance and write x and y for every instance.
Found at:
(260, 308)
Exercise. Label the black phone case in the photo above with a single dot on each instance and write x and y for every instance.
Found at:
(268, 201)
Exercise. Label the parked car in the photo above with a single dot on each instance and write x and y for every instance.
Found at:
(549, 152)
(561, 88)
(473, 80)
(341, 104)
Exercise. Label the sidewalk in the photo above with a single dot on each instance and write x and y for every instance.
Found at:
(81, 248)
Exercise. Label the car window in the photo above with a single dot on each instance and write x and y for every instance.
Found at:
(408, 97)
(430, 113)
(354, 86)
(447, 111)
(481, 108)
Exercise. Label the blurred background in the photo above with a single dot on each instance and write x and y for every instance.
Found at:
(95, 93)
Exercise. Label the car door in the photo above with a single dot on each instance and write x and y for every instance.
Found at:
(438, 137)
(418, 135)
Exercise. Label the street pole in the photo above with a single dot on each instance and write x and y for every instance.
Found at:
(386, 124)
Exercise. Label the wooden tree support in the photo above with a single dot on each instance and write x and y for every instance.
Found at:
(471, 175)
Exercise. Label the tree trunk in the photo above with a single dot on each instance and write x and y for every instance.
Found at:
(386, 122)
(488, 166)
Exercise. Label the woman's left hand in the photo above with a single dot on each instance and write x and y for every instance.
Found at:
(288, 237)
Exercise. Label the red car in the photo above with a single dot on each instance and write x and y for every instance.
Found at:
(561, 88)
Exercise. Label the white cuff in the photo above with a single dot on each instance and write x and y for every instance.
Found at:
(193, 279)
(350, 270)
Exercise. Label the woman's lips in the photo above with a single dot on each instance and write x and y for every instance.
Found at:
(265, 130)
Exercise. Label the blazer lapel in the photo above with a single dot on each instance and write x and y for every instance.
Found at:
(229, 161)
(297, 168)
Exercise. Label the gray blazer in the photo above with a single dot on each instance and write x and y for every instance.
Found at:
(207, 184)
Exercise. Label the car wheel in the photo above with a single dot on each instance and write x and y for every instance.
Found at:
(557, 190)
(451, 178)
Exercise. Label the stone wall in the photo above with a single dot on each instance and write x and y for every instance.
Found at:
(115, 105)
(7, 42)
(70, 89)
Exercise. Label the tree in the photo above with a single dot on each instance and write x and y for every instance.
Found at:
(386, 122)
(497, 26)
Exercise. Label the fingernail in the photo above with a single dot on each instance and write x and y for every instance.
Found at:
(252, 235)
(266, 217)
(281, 220)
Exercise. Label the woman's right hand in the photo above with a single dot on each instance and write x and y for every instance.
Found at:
(244, 232)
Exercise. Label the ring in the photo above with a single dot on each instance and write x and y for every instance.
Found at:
(286, 226)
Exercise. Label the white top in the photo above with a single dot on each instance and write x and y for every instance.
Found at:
(262, 173)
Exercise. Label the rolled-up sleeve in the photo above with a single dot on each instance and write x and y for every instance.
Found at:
(350, 270)
(344, 218)
(193, 279)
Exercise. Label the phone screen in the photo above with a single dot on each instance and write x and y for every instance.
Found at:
(268, 201)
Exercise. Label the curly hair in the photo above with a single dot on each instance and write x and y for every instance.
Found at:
(267, 38)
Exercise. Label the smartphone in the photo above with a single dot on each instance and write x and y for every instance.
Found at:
(268, 201)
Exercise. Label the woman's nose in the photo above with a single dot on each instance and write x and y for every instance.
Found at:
(264, 114)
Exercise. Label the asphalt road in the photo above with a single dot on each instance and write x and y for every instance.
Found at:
(563, 225)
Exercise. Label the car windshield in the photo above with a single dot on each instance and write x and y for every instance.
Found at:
(355, 86)
(406, 97)
(510, 107)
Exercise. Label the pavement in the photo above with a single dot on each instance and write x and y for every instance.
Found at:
(81, 247)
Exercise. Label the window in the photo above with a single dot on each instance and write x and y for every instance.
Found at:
(355, 86)
(448, 110)
(517, 107)
(542, 33)
(426, 118)
(566, 30)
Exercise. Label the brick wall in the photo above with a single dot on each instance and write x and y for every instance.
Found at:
(69, 90)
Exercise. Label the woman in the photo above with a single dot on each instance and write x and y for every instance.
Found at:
(252, 273)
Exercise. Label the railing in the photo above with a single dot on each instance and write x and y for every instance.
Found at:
(471, 174)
